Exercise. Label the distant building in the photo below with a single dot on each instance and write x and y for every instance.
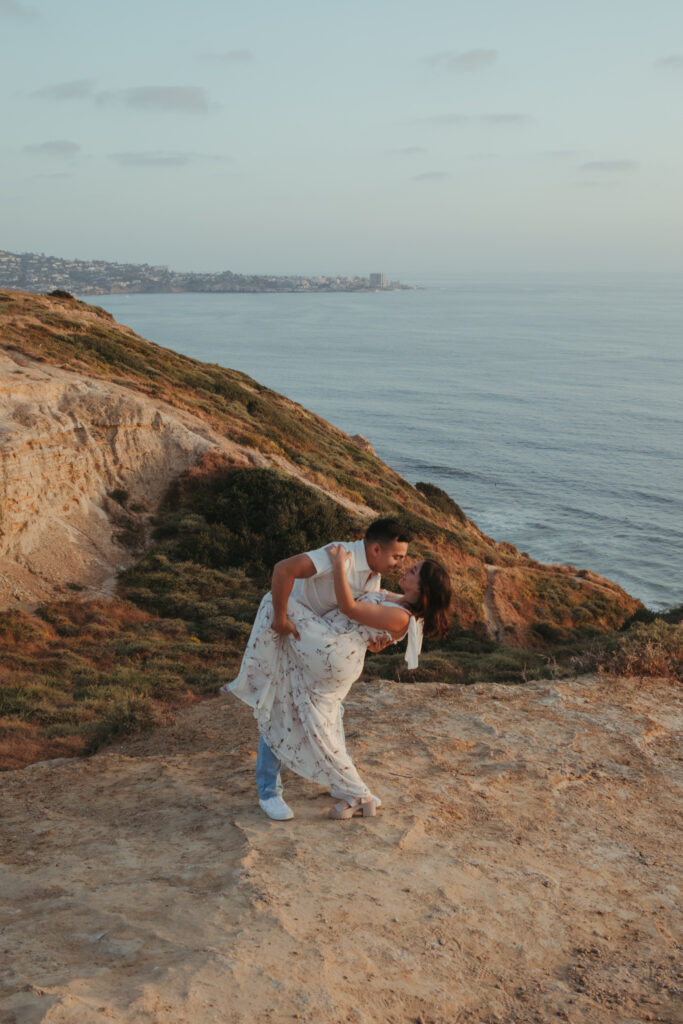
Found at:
(39, 273)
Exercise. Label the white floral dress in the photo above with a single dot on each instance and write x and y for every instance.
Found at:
(296, 688)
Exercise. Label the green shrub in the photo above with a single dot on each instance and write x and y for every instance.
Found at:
(673, 615)
(547, 631)
(253, 517)
(439, 499)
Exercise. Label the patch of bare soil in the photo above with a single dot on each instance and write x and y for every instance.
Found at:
(522, 868)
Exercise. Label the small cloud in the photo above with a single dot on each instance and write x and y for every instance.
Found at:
(468, 60)
(445, 119)
(674, 60)
(609, 166)
(55, 147)
(159, 158)
(490, 119)
(78, 89)
(17, 10)
(504, 118)
(228, 56)
(561, 154)
(187, 99)
(431, 176)
(151, 159)
(51, 177)
(407, 151)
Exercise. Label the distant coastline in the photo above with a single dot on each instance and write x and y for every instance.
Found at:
(33, 272)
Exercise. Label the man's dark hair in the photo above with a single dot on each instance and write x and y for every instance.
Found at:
(385, 531)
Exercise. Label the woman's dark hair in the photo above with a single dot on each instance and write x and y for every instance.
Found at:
(435, 598)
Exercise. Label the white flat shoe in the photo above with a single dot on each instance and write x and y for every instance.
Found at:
(276, 808)
(376, 800)
(344, 809)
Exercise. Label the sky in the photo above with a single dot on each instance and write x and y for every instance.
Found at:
(413, 138)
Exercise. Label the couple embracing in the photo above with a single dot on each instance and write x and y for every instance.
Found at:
(307, 648)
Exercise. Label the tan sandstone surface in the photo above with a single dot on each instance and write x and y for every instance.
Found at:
(67, 441)
(522, 869)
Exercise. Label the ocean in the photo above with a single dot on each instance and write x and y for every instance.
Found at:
(549, 407)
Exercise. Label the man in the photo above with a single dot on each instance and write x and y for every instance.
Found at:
(308, 578)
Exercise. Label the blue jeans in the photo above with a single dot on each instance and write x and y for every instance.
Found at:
(268, 782)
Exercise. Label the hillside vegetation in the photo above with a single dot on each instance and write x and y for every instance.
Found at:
(79, 670)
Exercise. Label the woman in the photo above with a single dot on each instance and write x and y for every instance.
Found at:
(296, 687)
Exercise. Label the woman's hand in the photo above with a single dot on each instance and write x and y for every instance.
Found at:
(338, 554)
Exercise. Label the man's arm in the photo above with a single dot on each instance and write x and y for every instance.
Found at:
(297, 567)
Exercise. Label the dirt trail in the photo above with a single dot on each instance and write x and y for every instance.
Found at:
(522, 869)
(494, 623)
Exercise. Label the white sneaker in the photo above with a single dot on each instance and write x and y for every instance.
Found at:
(276, 808)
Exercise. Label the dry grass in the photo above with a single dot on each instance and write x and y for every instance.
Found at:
(647, 650)
(78, 675)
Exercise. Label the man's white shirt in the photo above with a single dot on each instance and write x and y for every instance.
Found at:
(317, 592)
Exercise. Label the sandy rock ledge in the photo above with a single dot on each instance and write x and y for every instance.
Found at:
(522, 869)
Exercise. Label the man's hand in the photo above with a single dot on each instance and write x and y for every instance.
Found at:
(286, 628)
(378, 645)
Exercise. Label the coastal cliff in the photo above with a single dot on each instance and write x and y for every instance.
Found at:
(90, 411)
(522, 866)
(146, 496)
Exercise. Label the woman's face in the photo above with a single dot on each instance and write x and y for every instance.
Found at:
(410, 580)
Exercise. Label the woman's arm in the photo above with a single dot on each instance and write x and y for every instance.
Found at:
(389, 618)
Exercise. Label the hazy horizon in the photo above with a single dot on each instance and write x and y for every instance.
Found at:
(312, 139)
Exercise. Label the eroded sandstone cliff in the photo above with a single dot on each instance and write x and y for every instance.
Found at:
(83, 464)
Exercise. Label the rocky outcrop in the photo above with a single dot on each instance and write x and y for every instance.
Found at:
(83, 464)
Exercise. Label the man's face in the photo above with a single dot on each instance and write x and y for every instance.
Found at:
(384, 558)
